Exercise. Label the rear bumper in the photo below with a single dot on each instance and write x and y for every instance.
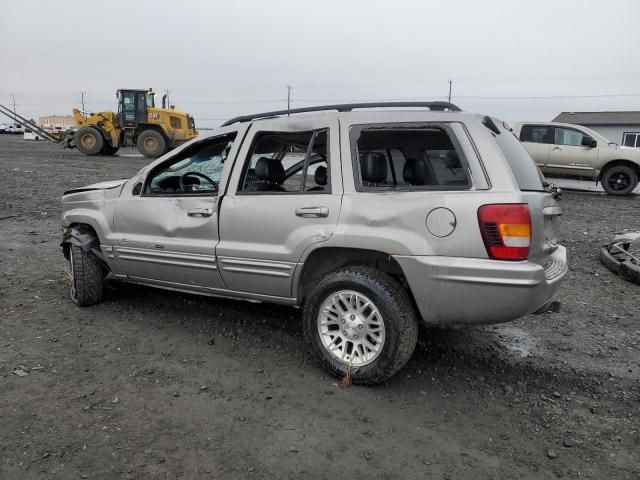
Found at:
(463, 291)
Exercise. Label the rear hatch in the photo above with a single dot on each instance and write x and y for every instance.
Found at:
(543, 208)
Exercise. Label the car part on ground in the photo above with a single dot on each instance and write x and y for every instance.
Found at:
(622, 255)
(370, 220)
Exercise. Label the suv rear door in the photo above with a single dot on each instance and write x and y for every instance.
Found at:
(266, 224)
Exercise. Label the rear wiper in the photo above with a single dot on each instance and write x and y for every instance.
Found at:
(490, 124)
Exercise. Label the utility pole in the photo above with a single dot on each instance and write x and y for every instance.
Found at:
(450, 83)
(82, 94)
(15, 119)
(289, 87)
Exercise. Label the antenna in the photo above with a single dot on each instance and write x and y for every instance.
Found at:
(289, 88)
(450, 84)
(82, 94)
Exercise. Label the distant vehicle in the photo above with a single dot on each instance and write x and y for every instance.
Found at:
(371, 221)
(563, 149)
(154, 131)
(3, 128)
(16, 129)
(31, 135)
(138, 122)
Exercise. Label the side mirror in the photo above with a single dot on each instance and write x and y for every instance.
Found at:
(589, 142)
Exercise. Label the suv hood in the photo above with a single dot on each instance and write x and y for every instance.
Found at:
(98, 186)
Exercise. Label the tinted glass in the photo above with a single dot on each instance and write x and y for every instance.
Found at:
(535, 134)
(630, 139)
(568, 136)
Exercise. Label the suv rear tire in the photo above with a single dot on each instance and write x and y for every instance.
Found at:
(87, 277)
(619, 180)
(367, 318)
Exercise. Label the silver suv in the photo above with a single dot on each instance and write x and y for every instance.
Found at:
(371, 219)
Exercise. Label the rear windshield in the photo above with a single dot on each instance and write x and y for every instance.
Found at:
(525, 170)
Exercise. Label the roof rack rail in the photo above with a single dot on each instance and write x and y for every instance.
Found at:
(346, 107)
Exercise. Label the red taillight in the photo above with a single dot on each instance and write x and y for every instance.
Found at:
(506, 230)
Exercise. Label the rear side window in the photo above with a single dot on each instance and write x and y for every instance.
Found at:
(407, 157)
(525, 170)
(536, 134)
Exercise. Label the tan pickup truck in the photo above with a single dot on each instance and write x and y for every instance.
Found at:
(563, 149)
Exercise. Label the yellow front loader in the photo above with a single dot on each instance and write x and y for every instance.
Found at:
(138, 123)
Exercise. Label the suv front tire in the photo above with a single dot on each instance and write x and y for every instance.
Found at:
(87, 277)
(361, 324)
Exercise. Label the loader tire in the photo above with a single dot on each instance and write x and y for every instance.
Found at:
(89, 141)
(151, 144)
(108, 149)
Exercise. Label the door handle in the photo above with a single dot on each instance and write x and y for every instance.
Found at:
(200, 212)
(312, 212)
(556, 148)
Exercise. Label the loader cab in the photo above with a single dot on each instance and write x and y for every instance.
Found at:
(132, 106)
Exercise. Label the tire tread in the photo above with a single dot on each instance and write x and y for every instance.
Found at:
(88, 276)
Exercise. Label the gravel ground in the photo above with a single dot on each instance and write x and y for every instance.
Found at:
(153, 384)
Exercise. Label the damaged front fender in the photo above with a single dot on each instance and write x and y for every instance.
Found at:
(82, 237)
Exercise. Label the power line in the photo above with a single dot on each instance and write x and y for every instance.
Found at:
(478, 97)
(542, 97)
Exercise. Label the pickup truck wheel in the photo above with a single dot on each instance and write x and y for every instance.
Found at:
(151, 144)
(89, 141)
(361, 323)
(87, 277)
(619, 180)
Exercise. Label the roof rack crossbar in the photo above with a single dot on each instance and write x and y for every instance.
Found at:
(346, 107)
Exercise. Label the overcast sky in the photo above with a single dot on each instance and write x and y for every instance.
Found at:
(219, 59)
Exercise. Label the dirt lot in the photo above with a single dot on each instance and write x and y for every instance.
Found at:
(154, 384)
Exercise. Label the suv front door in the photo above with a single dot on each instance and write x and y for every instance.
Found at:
(568, 156)
(166, 225)
(284, 195)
